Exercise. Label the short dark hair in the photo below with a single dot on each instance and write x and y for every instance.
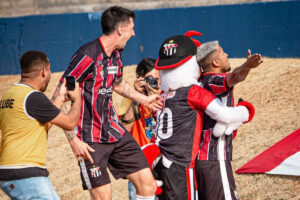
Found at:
(112, 16)
(32, 59)
(144, 66)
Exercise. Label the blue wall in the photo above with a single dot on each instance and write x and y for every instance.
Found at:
(271, 29)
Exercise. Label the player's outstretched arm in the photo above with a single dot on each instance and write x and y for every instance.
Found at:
(239, 74)
(153, 102)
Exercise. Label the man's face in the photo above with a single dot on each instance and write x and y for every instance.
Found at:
(127, 31)
(46, 78)
(223, 58)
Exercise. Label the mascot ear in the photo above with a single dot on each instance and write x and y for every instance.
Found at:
(197, 43)
(194, 33)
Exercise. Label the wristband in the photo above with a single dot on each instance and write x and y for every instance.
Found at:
(136, 112)
(127, 121)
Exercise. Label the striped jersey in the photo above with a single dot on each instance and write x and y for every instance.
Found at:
(211, 147)
(179, 123)
(96, 73)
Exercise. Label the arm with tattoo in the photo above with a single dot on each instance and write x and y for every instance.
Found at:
(152, 102)
(69, 134)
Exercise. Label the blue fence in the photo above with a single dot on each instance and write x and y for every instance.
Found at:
(269, 28)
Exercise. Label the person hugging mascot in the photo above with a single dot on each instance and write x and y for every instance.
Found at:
(179, 123)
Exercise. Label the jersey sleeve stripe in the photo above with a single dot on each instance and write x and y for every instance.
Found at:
(81, 67)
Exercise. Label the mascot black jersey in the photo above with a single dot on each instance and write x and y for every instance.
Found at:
(180, 123)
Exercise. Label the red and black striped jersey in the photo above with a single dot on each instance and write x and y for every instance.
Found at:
(96, 73)
(179, 124)
(211, 147)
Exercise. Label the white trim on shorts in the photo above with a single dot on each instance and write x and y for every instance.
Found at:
(85, 175)
(224, 177)
(192, 185)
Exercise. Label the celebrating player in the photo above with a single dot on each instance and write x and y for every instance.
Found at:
(97, 66)
(213, 168)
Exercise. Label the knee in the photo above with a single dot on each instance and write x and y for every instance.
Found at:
(147, 188)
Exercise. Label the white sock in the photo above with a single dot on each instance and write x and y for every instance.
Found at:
(144, 198)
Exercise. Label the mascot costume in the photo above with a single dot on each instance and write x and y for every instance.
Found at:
(179, 124)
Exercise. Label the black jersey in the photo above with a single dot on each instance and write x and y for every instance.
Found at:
(211, 147)
(96, 73)
(179, 124)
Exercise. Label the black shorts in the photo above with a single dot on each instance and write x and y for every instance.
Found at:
(122, 158)
(215, 180)
(178, 182)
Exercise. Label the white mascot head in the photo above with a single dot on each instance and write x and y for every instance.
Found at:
(177, 63)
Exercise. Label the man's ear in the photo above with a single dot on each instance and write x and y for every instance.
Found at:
(216, 63)
(43, 72)
(120, 30)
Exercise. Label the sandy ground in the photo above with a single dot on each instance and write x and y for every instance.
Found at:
(273, 88)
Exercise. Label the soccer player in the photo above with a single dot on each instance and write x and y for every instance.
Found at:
(213, 165)
(25, 116)
(97, 66)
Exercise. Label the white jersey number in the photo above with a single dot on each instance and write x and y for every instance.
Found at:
(169, 128)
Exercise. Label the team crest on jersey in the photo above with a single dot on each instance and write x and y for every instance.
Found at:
(168, 95)
(95, 172)
(112, 69)
(170, 48)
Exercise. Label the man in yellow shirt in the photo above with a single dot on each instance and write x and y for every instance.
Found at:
(25, 115)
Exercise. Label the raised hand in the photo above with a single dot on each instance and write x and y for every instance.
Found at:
(253, 60)
(62, 92)
(75, 94)
(140, 84)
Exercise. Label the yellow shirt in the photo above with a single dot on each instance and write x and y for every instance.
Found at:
(24, 139)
